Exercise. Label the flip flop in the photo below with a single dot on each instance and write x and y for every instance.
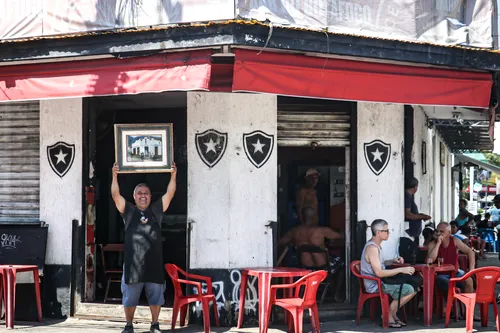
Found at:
(394, 325)
(400, 323)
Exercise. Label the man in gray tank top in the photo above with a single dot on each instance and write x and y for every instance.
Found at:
(372, 264)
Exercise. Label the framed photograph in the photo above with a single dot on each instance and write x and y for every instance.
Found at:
(442, 154)
(144, 147)
(424, 157)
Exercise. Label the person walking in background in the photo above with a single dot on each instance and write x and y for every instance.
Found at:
(464, 216)
(412, 215)
(495, 210)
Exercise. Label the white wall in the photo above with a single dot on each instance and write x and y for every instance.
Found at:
(382, 196)
(231, 203)
(429, 199)
(421, 133)
(60, 198)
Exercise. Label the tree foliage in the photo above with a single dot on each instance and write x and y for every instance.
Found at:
(493, 158)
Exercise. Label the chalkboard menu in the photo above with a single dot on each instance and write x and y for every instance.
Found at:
(23, 245)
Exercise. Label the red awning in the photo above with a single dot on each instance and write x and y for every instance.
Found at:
(162, 72)
(305, 76)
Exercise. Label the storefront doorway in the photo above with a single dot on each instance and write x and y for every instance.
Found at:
(102, 114)
(315, 134)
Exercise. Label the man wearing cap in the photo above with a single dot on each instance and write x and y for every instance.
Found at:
(307, 196)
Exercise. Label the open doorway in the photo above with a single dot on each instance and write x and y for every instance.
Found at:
(103, 113)
(329, 162)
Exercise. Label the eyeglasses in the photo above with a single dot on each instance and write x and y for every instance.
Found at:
(385, 230)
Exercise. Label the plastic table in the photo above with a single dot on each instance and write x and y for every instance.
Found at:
(9, 273)
(429, 277)
(265, 275)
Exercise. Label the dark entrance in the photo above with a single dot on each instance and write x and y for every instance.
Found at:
(103, 113)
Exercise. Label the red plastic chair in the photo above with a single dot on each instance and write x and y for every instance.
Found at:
(484, 295)
(181, 302)
(296, 304)
(364, 296)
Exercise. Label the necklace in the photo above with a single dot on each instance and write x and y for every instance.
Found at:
(144, 219)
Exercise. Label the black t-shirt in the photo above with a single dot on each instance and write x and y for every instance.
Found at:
(415, 225)
(143, 244)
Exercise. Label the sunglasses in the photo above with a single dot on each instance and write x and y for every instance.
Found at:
(385, 230)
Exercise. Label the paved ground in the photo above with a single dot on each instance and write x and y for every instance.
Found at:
(415, 324)
(87, 326)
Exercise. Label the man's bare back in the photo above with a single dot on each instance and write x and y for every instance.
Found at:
(305, 235)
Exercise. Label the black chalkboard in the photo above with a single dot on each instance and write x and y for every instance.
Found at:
(23, 245)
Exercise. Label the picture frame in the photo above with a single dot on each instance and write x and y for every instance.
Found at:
(146, 148)
(424, 157)
(442, 154)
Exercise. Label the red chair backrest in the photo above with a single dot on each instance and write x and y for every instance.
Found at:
(312, 282)
(486, 280)
(356, 270)
(173, 272)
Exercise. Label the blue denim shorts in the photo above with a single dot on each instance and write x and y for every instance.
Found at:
(443, 280)
(132, 292)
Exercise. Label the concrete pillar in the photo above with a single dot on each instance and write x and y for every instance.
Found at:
(382, 196)
(232, 202)
(60, 198)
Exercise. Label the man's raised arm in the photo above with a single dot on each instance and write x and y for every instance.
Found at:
(172, 187)
(115, 191)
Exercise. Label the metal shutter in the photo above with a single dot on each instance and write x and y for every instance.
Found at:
(303, 128)
(19, 162)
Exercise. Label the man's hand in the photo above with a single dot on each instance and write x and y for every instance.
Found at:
(174, 169)
(426, 217)
(116, 170)
(439, 240)
(407, 270)
(399, 260)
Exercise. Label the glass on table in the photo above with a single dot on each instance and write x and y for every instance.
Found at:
(429, 262)
(440, 261)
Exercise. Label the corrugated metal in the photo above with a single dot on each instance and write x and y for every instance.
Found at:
(306, 128)
(19, 162)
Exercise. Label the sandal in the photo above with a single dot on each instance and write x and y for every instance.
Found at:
(394, 325)
(400, 323)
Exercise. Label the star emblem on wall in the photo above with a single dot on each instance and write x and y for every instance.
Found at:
(211, 146)
(258, 147)
(377, 154)
(61, 156)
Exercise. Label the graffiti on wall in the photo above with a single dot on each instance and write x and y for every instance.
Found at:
(377, 155)
(227, 295)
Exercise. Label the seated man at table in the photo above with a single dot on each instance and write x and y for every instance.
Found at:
(447, 247)
(372, 264)
(309, 239)
(457, 232)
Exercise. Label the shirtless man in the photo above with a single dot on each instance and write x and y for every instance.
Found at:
(306, 196)
(309, 239)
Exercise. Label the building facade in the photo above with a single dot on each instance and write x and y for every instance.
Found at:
(254, 104)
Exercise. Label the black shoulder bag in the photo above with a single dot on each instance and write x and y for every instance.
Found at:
(415, 281)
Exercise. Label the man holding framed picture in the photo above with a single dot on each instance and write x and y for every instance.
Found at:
(143, 264)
